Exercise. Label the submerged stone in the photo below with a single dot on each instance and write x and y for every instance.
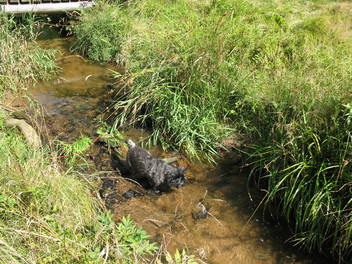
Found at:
(131, 193)
(109, 184)
(200, 211)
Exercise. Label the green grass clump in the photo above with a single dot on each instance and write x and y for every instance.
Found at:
(99, 36)
(306, 171)
(51, 216)
(23, 62)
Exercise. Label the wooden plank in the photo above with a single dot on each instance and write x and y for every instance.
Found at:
(14, 2)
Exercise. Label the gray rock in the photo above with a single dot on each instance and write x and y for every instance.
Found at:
(28, 132)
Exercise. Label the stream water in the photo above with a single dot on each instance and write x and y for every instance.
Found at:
(225, 233)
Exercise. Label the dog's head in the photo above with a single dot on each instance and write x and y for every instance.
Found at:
(177, 178)
(130, 144)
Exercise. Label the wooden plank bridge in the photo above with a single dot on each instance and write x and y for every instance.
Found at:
(43, 6)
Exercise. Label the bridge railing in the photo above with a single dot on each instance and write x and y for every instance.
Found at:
(23, 2)
(43, 6)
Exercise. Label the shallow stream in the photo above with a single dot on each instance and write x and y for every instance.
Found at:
(225, 233)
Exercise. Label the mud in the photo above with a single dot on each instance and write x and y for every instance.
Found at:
(212, 216)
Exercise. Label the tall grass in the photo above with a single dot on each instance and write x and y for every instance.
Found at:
(277, 72)
(49, 216)
(99, 36)
(23, 62)
(212, 60)
(306, 171)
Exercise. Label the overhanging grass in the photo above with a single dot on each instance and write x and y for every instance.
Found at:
(306, 171)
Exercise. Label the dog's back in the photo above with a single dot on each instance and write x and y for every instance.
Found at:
(138, 160)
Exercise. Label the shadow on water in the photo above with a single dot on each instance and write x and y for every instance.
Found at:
(209, 216)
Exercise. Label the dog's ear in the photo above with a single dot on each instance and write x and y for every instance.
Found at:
(130, 143)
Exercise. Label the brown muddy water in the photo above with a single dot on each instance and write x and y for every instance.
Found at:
(212, 216)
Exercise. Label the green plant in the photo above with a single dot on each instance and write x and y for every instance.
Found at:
(134, 239)
(72, 151)
(179, 258)
(306, 174)
(98, 32)
(50, 216)
(23, 61)
(197, 71)
(109, 135)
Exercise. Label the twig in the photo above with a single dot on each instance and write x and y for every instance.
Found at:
(253, 214)
(215, 218)
(7, 108)
(129, 179)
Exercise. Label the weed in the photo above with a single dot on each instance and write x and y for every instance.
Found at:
(73, 151)
(179, 258)
(50, 216)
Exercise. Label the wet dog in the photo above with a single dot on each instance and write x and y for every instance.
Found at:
(159, 175)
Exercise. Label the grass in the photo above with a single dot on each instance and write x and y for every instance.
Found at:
(208, 64)
(306, 172)
(22, 61)
(276, 72)
(99, 38)
(49, 216)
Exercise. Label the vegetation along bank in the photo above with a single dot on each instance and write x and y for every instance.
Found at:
(277, 73)
(49, 214)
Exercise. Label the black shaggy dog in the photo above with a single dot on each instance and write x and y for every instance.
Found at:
(158, 174)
